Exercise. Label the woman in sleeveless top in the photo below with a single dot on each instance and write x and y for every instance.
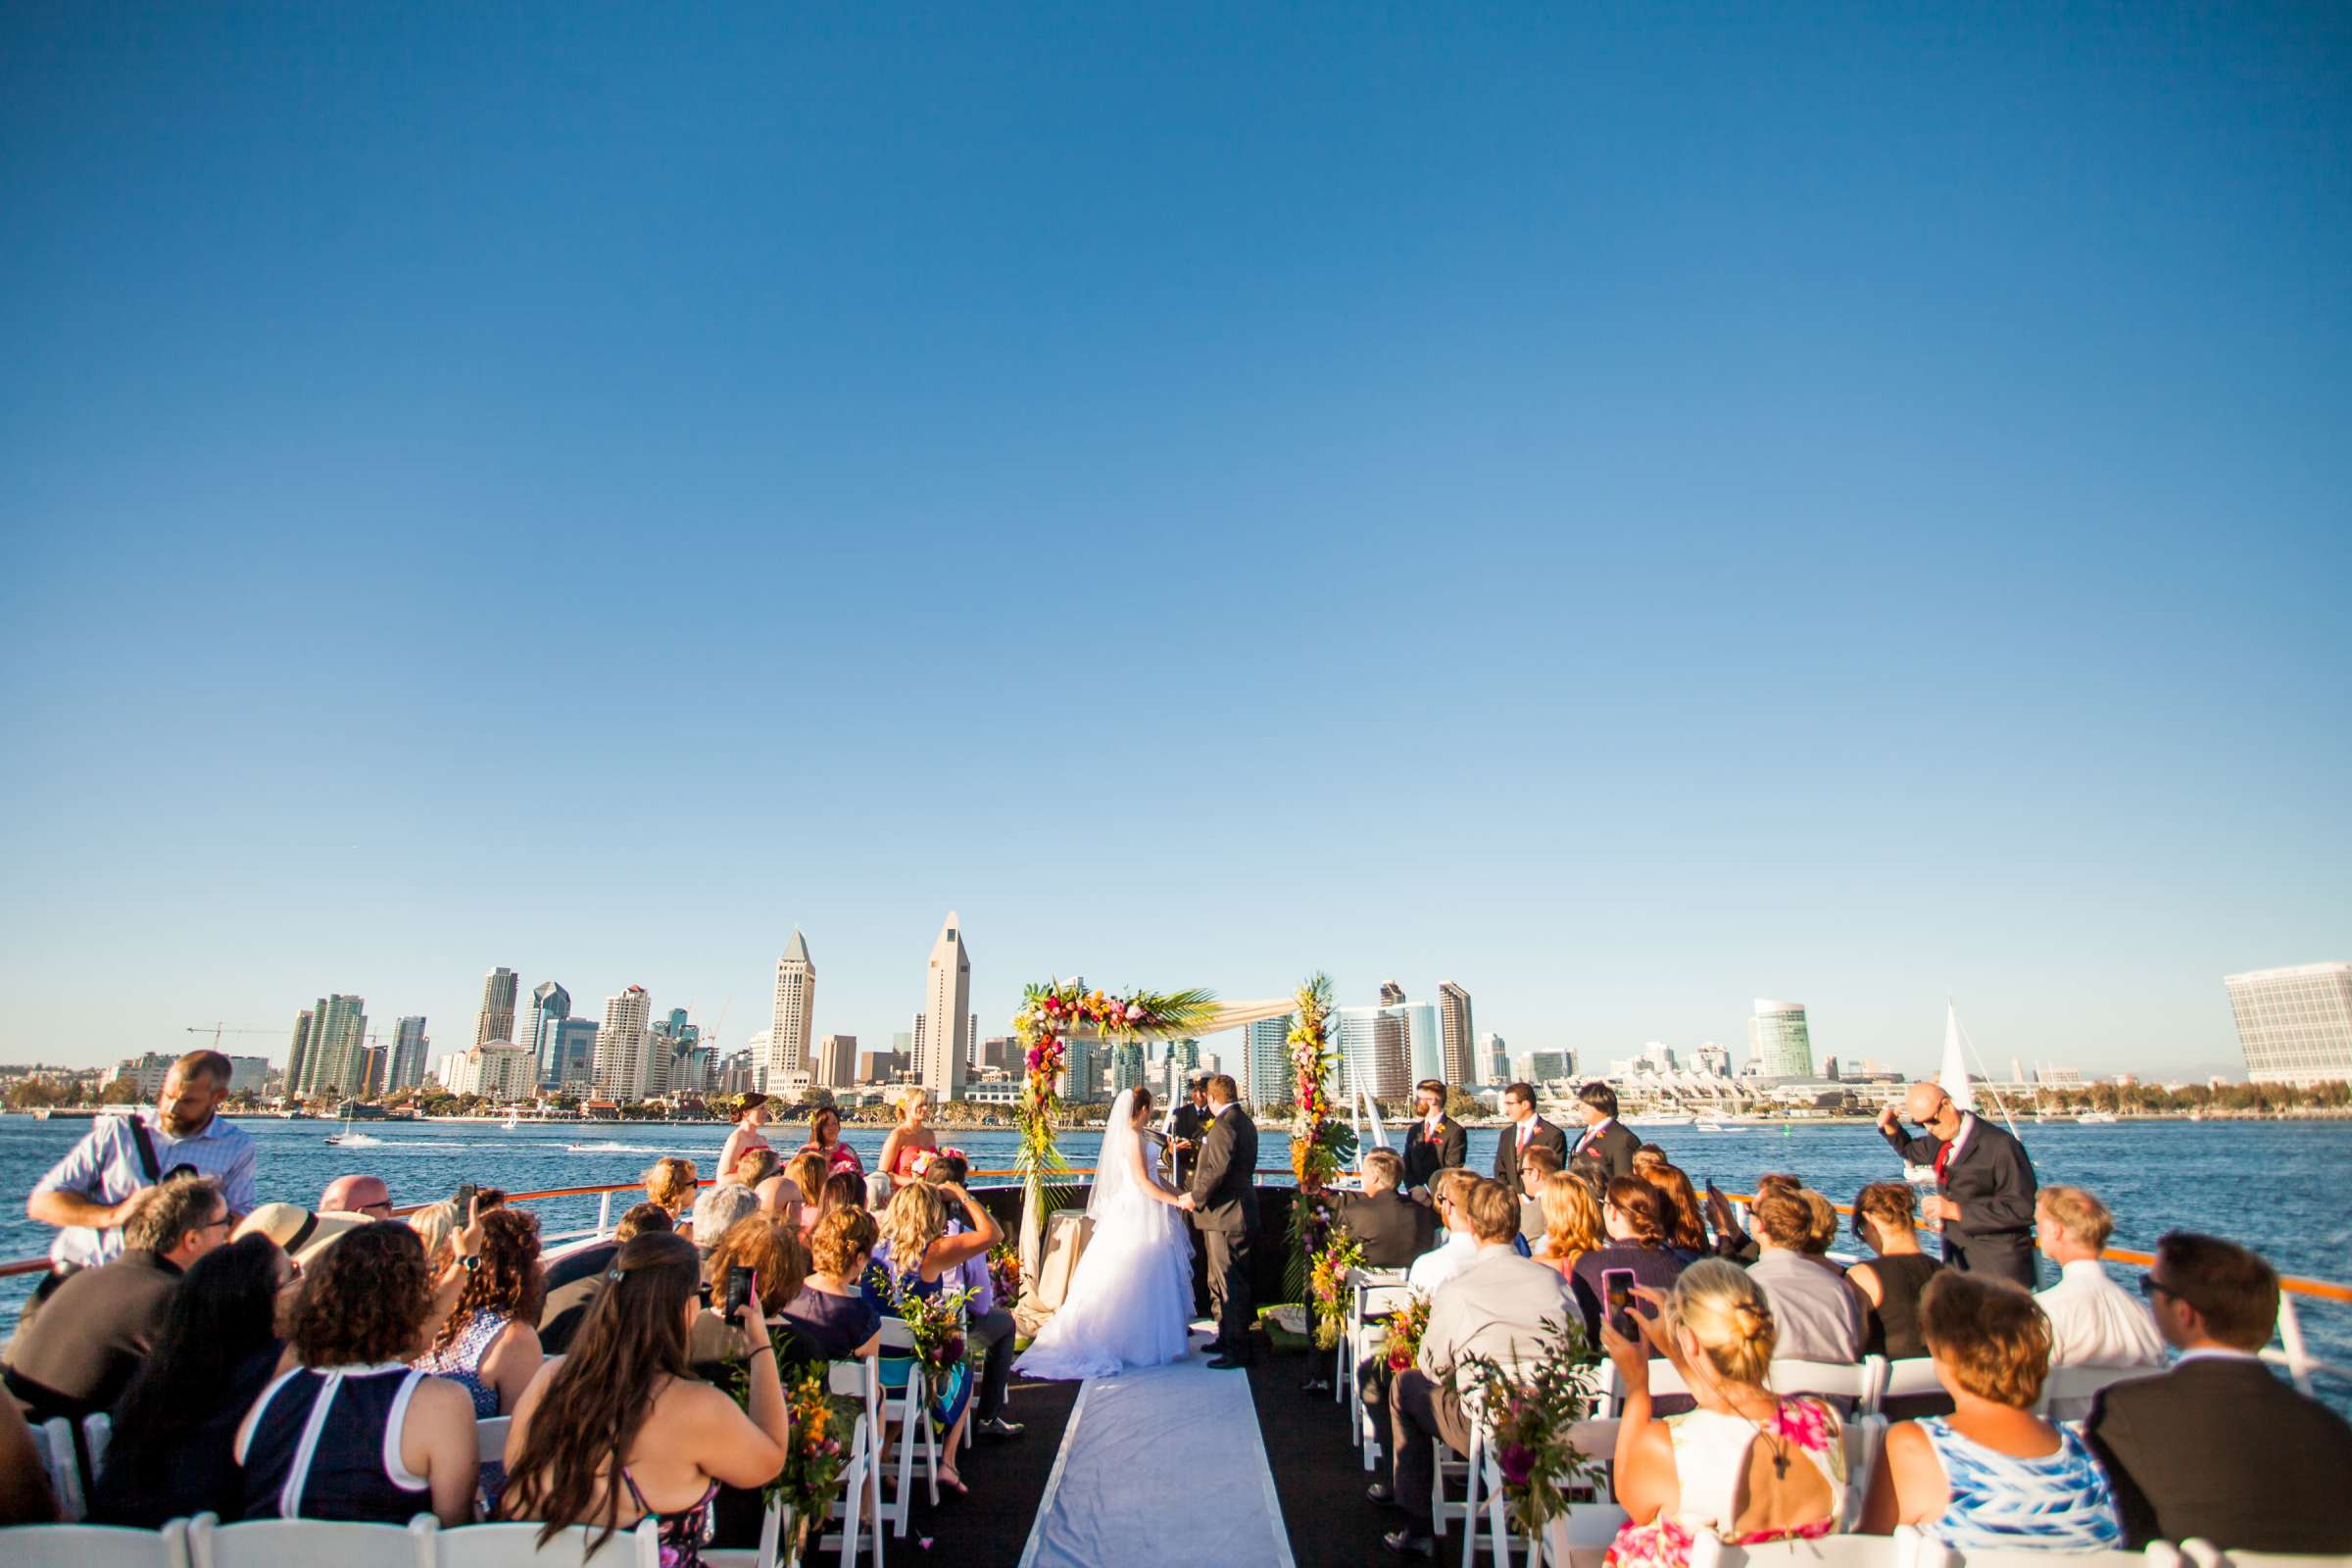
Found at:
(1885, 1215)
(620, 1429)
(1993, 1473)
(489, 1345)
(917, 1256)
(751, 1114)
(351, 1431)
(910, 1137)
(824, 1138)
(1746, 1464)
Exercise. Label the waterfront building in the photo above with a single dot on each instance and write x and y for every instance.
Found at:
(499, 1070)
(1084, 1063)
(2295, 1025)
(1713, 1059)
(1495, 1058)
(1176, 1067)
(624, 1041)
(298, 1058)
(1658, 1056)
(1549, 1066)
(495, 1019)
(1390, 993)
(886, 1066)
(338, 1058)
(789, 1029)
(1460, 1050)
(1778, 1039)
(574, 1053)
(550, 1006)
(1127, 1065)
(1386, 1050)
(148, 1071)
(734, 1077)
(944, 1047)
(1002, 1054)
(410, 1046)
(677, 1048)
(837, 1062)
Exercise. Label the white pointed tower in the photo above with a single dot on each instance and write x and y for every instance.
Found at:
(789, 1029)
(947, 1014)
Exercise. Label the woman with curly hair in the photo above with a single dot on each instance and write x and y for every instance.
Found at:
(672, 1182)
(917, 1258)
(770, 1247)
(353, 1432)
(620, 1429)
(489, 1345)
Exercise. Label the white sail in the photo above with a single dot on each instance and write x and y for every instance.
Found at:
(1380, 1135)
(1955, 1076)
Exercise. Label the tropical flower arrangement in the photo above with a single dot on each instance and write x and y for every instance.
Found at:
(934, 1322)
(1328, 1282)
(924, 1160)
(1319, 1144)
(1407, 1325)
(813, 1456)
(1004, 1272)
(1049, 1015)
(1532, 1409)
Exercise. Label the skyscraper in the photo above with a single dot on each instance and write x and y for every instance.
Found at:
(1390, 993)
(496, 1020)
(624, 1046)
(796, 1005)
(1496, 1059)
(574, 1053)
(837, 1062)
(1779, 1041)
(1454, 1015)
(299, 1057)
(1127, 1065)
(337, 1058)
(1385, 1050)
(1714, 1059)
(945, 1046)
(550, 1006)
(671, 1064)
(1268, 1078)
(2295, 1025)
(406, 1066)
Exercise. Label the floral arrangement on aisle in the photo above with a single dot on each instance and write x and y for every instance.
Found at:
(935, 1323)
(1327, 1282)
(1532, 1408)
(1319, 1146)
(813, 1456)
(1004, 1272)
(1407, 1325)
(1048, 1015)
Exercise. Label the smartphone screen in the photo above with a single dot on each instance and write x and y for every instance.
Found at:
(739, 1289)
(1617, 1288)
(465, 1196)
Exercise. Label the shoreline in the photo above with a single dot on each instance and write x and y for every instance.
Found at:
(1766, 1123)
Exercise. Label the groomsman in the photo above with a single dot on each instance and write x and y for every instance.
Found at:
(1527, 1131)
(1435, 1141)
(1606, 1150)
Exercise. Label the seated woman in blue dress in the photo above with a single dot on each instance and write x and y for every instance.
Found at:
(917, 1255)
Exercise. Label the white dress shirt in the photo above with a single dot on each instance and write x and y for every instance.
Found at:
(1434, 1267)
(2096, 1322)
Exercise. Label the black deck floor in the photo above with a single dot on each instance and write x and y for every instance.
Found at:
(1008, 1477)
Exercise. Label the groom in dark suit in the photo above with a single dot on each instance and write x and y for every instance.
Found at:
(1223, 1202)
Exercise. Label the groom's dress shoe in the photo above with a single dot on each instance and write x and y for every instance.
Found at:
(1409, 1544)
(1378, 1491)
(1228, 1362)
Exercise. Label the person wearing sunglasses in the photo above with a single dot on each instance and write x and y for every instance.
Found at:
(2220, 1447)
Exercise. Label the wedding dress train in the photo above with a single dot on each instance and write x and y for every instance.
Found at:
(1130, 1301)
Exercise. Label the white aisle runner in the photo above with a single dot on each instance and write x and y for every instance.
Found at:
(1163, 1465)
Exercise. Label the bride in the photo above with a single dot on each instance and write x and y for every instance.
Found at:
(1130, 1301)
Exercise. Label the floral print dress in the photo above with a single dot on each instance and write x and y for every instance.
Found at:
(1710, 1460)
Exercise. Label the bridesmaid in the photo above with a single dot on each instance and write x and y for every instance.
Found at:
(751, 1114)
(910, 1137)
(824, 1138)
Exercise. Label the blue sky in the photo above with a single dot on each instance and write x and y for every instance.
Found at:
(1629, 512)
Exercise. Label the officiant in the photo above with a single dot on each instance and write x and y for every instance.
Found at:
(1188, 1123)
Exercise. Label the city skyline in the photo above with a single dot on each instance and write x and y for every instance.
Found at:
(1832, 545)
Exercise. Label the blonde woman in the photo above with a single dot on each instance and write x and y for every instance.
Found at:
(912, 1135)
(917, 1258)
(670, 1184)
(1746, 1463)
(1571, 1223)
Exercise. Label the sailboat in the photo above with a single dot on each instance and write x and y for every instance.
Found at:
(513, 1121)
(1953, 1077)
(342, 1134)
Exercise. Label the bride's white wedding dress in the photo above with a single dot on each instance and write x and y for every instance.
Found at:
(1130, 1301)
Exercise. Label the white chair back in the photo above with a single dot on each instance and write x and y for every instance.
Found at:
(2070, 1388)
(52, 1444)
(1909, 1378)
(97, 1431)
(1898, 1550)
(95, 1546)
(490, 1436)
(309, 1542)
(2160, 1554)
(860, 1505)
(1858, 1382)
(906, 1416)
(516, 1546)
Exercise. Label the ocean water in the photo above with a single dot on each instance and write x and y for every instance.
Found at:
(2278, 1187)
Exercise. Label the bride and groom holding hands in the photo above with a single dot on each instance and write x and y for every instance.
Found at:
(1130, 1300)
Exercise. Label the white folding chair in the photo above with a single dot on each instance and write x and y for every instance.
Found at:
(490, 1436)
(860, 1505)
(1909, 1377)
(1348, 1352)
(1365, 1335)
(2159, 1554)
(1898, 1550)
(1858, 1382)
(1482, 1477)
(95, 1546)
(2069, 1390)
(97, 1431)
(53, 1442)
(909, 1409)
(516, 1546)
(1865, 1435)
(307, 1542)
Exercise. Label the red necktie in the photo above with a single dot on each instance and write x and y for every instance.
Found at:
(1941, 1156)
(1524, 1133)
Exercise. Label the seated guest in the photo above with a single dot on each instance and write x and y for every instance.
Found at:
(620, 1429)
(718, 1208)
(352, 1432)
(79, 1354)
(357, 1194)
(2093, 1321)
(831, 1319)
(1745, 1463)
(1686, 1229)
(780, 1197)
(298, 1232)
(1497, 1307)
(2219, 1448)
(25, 1495)
(769, 1246)
(843, 1190)
(437, 1225)
(1818, 1314)
(672, 1183)
(808, 1172)
(756, 1167)
(1633, 1216)
(1571, 1223)
(1535, 1167)
(824, 1139)
(916, 1257)
(1885, 1219)
(174, 1428)
(878, 1188)
(986, 1321)
(489, 1343)
(576, 1279)
(1391, 1227)
(1993, 1473)
(1649, 1157)
(1434, 1267)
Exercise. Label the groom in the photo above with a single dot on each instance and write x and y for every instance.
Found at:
(1223, 1202)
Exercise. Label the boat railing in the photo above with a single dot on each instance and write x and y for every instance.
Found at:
(2292, 1352)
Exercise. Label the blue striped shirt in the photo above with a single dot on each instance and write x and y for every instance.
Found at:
(105, 1168)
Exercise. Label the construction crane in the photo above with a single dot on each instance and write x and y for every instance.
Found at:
(216, 1030)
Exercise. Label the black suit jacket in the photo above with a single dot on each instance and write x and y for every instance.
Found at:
(1506, 1154)
(1187, 1121)
(1425, 1156)
(2224, 1449)
(1610, 1155)
(1224, 1185)
(1989, 1178)
(1392, 1228)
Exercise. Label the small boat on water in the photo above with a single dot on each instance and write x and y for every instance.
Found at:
(1708, 1124)
(2097, 1119)
(513, 1121)
(1658, 1118)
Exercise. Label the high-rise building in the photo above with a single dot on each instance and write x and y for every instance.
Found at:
(574, 1053)
(884, 1067)
(946, 1048)
(1714, 1059)
(337, 1059)
(1182, 1061)
(676, 1050)
(550, 1006)
(405, 1069)
(1127, 1065)
(624, 1046)
(1658, 1056)
(1002, 1052)
(837, 1062)
(496, 1020)
(2295, 1025)
(1390, 993)
(1270, 1080)
(297, 1058)
(1494, 1059)
(1779, 1041)
(1460, 1045)
(1551, 1066)
(498, 1071)
(1386, 1050)
(972, 1039)
(1084, 1065)
(796, 1006)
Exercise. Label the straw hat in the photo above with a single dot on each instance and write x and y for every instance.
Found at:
(302, 1235)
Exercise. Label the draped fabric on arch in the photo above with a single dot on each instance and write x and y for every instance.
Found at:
(1228, 1015)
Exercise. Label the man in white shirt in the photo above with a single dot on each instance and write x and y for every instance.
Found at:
(1440, 1263)
(2093, 1321)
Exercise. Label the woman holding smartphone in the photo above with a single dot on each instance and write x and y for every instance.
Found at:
(1633, 1217)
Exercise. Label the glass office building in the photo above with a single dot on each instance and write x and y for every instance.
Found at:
(2295, 1025)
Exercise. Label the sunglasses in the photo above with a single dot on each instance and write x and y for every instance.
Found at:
(2151, 1287)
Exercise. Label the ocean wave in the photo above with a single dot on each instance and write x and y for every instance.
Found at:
(611, 1148)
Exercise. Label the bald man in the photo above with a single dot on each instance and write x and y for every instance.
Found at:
(1985, 1184)
(357, 1194)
